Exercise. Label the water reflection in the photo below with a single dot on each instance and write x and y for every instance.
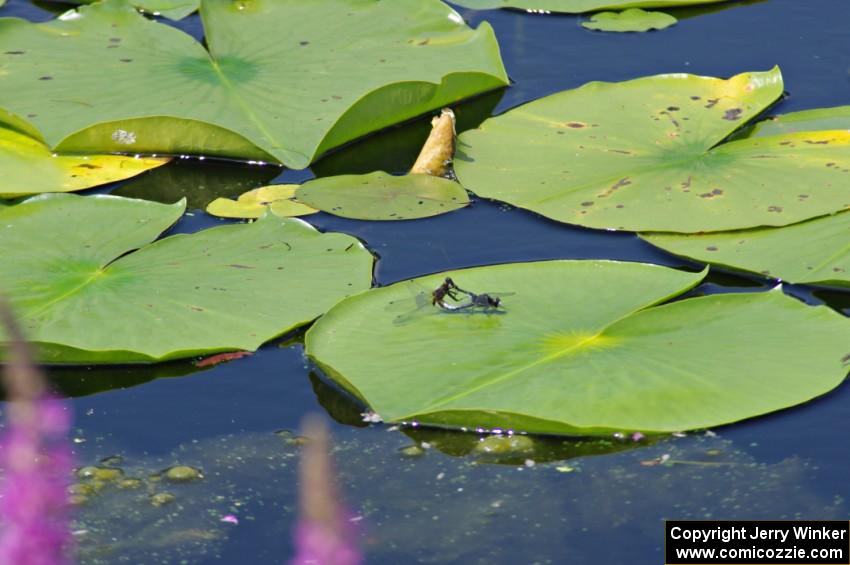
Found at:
(199, 181)
(84, 381)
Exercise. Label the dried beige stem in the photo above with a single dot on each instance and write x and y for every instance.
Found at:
(439, 149)
(22, 379)
(318, 490)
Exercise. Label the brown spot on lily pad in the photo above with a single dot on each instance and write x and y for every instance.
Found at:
(13, 52)
(88, 166)
(712, 102)
(587, 203)
(46, 77)
(733, 114)
(712, 194)
(711, 248)
(576, 125)
(237, 266)
(777, 209)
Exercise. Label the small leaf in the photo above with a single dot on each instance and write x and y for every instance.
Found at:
(278, 198)
(381, 196)
(633, 19)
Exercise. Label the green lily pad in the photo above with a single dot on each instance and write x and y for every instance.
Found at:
(381, 196)
(820, 119)
(633, 19)
(579, 348)
(813, 252)
(577, 6)
(277, 83)
(171, 9)
(642, 155)
(29, 167)
(276, 198)
(84, 296)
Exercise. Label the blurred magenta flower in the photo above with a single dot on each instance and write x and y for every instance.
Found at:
(325, 533)
(36, 461)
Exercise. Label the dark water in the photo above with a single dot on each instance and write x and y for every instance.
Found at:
(580, 503)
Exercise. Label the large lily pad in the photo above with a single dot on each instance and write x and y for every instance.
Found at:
(276, 83)
(631, 20)
(381, 196)
(813, 252)
(29, 167)
(84, 296)
(643, 155)
(579, 349)
(577, 6)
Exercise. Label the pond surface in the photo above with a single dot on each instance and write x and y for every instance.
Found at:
(553, 501)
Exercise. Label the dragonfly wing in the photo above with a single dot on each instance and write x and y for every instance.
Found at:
(411, 306)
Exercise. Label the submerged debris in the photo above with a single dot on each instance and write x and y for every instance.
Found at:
(182, 474)
(162, 498)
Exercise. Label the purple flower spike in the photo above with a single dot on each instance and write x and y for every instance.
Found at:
(325, 533)
(36, 461)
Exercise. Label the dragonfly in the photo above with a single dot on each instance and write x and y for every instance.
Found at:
(447, 297)
(484, 300)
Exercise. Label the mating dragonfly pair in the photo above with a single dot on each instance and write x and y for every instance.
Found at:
(448, 297)
(451, 290)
